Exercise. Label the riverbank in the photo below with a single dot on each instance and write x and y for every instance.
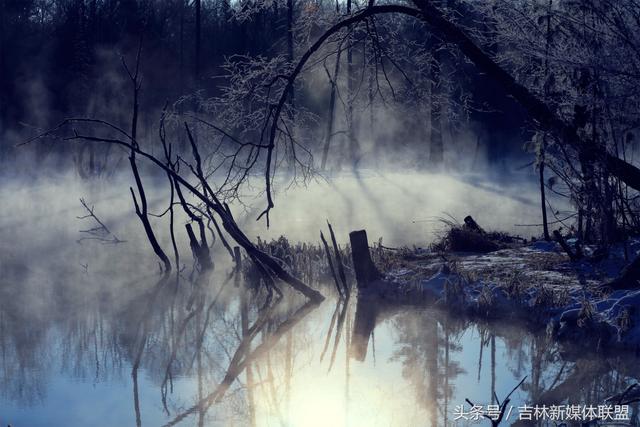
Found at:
(531, 282)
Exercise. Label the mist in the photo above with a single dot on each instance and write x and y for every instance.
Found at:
(312, 213)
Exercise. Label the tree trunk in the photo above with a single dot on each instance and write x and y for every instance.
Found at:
(332, 105)
(290, 53)
(538, 110)
(436, 148)
(198, 7)
(3, 86)
(365, 270)
(543, 199)
(141, 208)
(354, 149)
(543, 147)
(181, 37)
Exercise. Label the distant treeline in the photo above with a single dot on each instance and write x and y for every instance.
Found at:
(61, 58)
(59, 50)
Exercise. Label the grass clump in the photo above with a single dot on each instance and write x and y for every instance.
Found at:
(470, 237)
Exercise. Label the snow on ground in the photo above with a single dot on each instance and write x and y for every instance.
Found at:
(536, 283)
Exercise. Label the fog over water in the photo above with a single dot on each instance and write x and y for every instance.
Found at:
(77, 317)
(398, 118)
(403, 208)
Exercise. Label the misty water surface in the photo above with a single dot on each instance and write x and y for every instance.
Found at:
(91, 335)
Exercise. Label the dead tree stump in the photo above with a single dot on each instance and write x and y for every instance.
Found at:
(366, 272)
(472, 224)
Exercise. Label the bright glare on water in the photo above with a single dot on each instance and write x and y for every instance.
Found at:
(90, 335)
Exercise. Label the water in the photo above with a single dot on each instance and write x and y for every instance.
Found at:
(91, 335)
(403, 208)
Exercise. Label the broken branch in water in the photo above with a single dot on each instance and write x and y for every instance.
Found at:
(343, 277)
(207, 197)
(101, 232)
(330, 261)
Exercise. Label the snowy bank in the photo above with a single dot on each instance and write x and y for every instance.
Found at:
(534, 283)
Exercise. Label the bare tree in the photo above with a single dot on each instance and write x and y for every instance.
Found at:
(255, 132)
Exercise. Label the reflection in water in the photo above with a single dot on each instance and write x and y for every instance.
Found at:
(210, 352)
(86, 341)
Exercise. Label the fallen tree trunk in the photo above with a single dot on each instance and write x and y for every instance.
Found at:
(537, 109)
(206, 196)
(451, 33)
